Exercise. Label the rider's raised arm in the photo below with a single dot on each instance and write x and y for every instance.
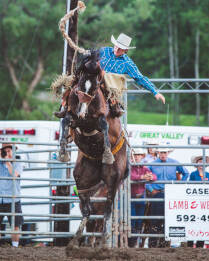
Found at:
(133, 71)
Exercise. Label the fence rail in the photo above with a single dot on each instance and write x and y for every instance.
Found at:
(124, 217)
(121, 217)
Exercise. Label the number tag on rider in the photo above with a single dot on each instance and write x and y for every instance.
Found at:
(187, 212)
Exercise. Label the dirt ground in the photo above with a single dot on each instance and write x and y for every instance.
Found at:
(83, 253)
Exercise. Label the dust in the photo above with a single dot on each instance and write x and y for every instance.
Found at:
(84, 253)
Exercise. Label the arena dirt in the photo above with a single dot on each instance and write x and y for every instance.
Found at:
(82, 253)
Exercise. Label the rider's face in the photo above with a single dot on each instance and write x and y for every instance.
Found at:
(118, 51)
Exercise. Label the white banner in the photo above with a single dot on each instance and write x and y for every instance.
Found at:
(187, 212)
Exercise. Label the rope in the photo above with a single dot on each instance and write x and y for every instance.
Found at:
(65, 80)
(73, 62)
(81, 7)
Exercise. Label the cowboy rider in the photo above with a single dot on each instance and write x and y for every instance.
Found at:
(116, 60)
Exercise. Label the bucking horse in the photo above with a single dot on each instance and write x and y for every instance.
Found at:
(101, 164)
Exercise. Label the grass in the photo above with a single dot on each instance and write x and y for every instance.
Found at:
(136, 117)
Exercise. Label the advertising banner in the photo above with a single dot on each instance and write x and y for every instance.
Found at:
(187, 212)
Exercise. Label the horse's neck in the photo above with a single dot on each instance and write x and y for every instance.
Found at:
(115, 129)
(98, 106)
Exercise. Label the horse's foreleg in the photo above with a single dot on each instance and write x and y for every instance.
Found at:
(107, 157)
(107, 228)
(78, 235)
(85, 205)
(109, 176)
(85, 210)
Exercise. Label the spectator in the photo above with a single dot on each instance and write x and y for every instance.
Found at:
(138, 191)
(198, 175)
(151, 154)
(157, 190)
(6, 188)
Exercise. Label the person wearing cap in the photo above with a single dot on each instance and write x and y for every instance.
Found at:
(157, 190)
(141, 173)
(115, 60)
(8, 169)
(198, 175)
(151, 153)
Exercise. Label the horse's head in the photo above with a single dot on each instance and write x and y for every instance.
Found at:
(88, 81)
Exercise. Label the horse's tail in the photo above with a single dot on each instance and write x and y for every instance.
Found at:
(81, 7)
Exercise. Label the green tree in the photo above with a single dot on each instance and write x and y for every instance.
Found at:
(31, 52)
(171, 39)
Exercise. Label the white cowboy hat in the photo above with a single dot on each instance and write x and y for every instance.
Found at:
(138, 151)
(151, 143)
(7, 145)
(122, 42)
(194, 159)
(164, 150)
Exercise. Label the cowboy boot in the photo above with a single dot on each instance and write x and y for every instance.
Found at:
(61, 113)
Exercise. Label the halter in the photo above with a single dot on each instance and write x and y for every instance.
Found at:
(84, 97)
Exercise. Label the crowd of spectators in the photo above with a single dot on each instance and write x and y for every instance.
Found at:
(156, 190)
(144, 174)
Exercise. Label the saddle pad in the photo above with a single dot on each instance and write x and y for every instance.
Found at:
(115, 81)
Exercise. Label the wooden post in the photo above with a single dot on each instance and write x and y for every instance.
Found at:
(73, 33)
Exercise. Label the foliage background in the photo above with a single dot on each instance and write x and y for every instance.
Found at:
(32, 50)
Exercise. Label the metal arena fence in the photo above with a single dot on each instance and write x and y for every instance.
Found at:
(120, 225)
(121, 216)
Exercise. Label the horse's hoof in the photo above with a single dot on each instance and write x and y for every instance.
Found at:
(63, 157)
(108, 157)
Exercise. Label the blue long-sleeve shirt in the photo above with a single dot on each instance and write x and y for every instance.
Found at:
(166, 173)
(124, 65)
(6, 185)
(195, 175)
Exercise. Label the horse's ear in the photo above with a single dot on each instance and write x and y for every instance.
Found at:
(95, 55)
(81, 61)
